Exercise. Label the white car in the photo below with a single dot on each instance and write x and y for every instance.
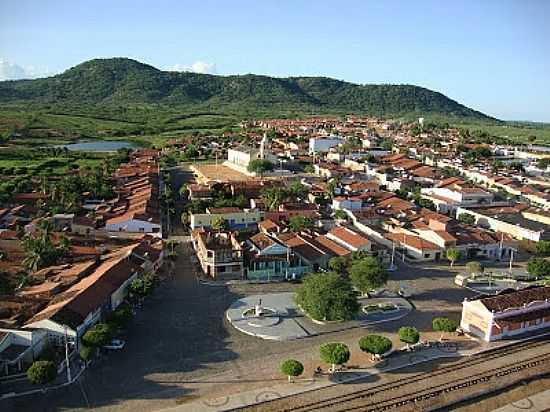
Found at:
(115, 344)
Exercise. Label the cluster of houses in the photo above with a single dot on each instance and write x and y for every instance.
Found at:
(111, 243)
(418, 197)
(62, 302)
(135, 209)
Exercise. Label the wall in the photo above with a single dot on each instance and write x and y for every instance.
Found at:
(135, 226)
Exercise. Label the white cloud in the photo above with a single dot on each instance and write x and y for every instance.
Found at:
(197, 67)
(12, 71)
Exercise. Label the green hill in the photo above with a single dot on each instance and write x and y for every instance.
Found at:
(123, 81)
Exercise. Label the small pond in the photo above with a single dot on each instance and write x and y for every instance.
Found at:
(99, 146)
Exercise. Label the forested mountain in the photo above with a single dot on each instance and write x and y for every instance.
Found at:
(126, 81)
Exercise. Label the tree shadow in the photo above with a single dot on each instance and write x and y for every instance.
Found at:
(180, 330)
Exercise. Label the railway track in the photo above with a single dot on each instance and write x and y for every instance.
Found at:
(363, 399)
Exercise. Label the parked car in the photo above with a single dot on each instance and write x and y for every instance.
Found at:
(115, 344)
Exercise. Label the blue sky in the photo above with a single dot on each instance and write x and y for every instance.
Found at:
(493, 56)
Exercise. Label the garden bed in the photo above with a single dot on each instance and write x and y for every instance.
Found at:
(380, 307)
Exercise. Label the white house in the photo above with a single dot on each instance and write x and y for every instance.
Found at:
(133, 223)
(323, 145)
(508, 314)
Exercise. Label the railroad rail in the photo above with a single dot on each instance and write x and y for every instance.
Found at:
(364, 396)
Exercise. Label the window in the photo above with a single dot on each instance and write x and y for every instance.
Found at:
(220, 269)
(141, 229)
(426, 255)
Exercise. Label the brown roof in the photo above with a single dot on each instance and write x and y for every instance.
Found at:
(268, 225)
(75, 304)
(395, 203)
(223, 210)
(516, 299)
(522, 317)
(349, 236)
(331, 246)
(262, 241)
(413, 241)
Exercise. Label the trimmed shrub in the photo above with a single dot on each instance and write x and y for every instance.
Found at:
(41, 372)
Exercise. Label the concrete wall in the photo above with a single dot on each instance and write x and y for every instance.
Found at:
(135, 226)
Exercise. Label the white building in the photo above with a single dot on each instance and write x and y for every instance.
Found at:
(240, 158)
(132, 223)
(507, 315)
(323, 145)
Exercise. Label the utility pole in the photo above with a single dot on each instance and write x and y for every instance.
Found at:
(392, 265)
(67, 355)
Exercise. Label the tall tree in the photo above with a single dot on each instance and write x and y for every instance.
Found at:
(453, 255)
(367, 274)
(334, 354)
(327, 297)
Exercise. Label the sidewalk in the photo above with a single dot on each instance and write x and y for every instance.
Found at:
(391, 363)
(22, 387)
(242, 399)
(538, 402)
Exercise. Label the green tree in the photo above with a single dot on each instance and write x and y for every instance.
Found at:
(121, 316)
(543, 247)
(340, 214)
(190, 152)
(220, 224)
(273, 197)
(183, 191)
(41, 372)
(98, 335)
(184, 218)
(443, 324)
(260, 166)
(338, 264)
(538, 267)
(40, 251)
(142, 285)
(453, 255)
(376, 345)
(467, 219)
(334, 354)
(309, 168)
(87, 353)
(474, 268)
(409, 335)
(543, 163)
(327, 297)
(367, 274)
(425, 203)
(292, 368)
(300, 223)
(298, 190)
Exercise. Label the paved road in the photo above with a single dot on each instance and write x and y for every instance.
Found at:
(180, 346)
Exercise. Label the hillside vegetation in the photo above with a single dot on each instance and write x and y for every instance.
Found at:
(125, 81)
(122, 98)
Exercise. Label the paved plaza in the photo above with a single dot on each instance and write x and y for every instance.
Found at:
(285, 321)
(180, 347)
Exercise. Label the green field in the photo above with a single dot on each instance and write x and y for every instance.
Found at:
(153, 125)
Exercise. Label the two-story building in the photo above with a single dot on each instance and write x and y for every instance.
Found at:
(235, 217)
(507, 314)
(220, 254)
